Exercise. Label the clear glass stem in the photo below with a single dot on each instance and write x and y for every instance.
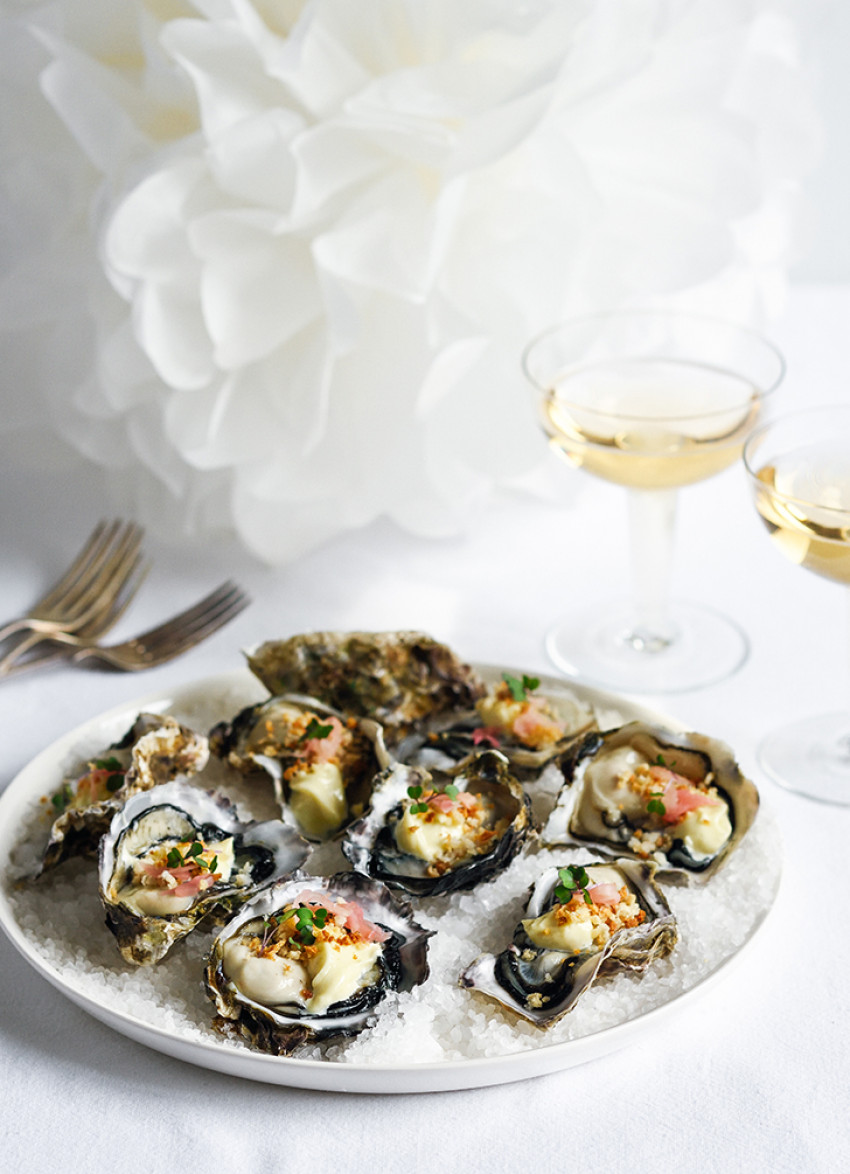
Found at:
(652, 526)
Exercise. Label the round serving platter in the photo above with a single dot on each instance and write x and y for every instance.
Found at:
(220, 697)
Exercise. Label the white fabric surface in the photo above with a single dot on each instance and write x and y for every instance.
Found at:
(751, 1076)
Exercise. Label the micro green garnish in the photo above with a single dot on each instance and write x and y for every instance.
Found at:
(62, 798)
(661, 761)
(452, 791)
(306, 921)
(573, 879)
(315, 729)
(417, 807)
(520, 687)
(116, 773)
(194, 855)
(656, 803)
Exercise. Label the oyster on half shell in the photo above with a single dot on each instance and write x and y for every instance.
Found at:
(177, 854)
(154, 750)
(570, 938)
(679, 799)
(529, 728)
(430, 832)
(321, 763)
(404, 680)
(311, 958)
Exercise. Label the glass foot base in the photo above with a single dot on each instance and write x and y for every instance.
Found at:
(811, 757)
(605, 646)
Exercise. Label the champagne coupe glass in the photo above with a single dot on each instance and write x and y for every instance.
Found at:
(799, 471)
(651, 400)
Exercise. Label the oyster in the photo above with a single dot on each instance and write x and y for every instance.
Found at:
(679, 799)
(176, 854)
(581, 922)
(321, 764)
(404, 680)
(531, 730)
(154, 750)
(312, 958)
(436, 832)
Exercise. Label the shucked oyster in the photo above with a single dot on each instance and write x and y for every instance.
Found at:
(436, 832)
(679, 799)
(177, 854)
(321, 763)
(404, 680)
(312, 958)
(530, 730)
(581, 922)
(154, 750)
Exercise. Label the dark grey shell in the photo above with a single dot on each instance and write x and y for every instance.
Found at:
(582, 815)
(403, 964)
(404, 680)
(544, 985)
(255, 740)
(370, 845)
(265, 852)
(154, 750)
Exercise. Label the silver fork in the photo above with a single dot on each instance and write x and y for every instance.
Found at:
(109, 554)
(92, 602)
(154, 647)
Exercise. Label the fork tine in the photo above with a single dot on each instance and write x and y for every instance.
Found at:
(106, 570)
(100, 537)
(198, 614)
(110, 609)
(188, 634)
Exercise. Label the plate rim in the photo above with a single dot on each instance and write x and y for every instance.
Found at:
(335, 1075)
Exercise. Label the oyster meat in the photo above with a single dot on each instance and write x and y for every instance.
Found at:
(581, 922)
(176, 854)
(404, 680)
(430, 832)
(154, 750)
(321, 763)
(530, 730)
(676, 798)
(312, 958)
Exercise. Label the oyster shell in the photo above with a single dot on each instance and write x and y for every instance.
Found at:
(454, 841)
(404, 680)
(636, 791)
(542, 983)
(275, 993)
(155, 749)
(321, 782)
(156, 885)
(531, 730)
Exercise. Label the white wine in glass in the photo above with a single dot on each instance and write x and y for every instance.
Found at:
(652, 401)
(799, 470)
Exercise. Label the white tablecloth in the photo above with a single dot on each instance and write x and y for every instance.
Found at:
(750, 1076)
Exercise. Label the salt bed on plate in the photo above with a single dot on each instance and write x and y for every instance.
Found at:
(438, 1021)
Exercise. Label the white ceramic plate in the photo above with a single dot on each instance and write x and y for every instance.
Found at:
(222, 697)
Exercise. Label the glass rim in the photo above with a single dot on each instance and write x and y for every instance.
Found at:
(685, 315)
(759, 433)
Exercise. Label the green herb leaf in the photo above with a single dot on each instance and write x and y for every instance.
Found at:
(656, 803)
(573, 878)
(520, 688)
(196, 848)
(173, 858)
(111, 764)
(315, 729)
(452, 791)
(414, 792)
(62, 798)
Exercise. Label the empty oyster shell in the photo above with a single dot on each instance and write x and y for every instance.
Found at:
(176, 854)
(321, 763)
(154, 750)
(679, 799)
(362, 943)
(628, 929)
(436, 832)
(404, 680)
